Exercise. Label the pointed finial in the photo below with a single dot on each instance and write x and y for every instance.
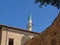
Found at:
(29, 16)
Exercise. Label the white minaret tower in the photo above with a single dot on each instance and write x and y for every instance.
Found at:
(29, 22)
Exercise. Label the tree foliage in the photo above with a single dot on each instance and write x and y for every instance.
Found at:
(55, 3)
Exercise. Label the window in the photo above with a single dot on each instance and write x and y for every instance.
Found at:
(11, 41)
(54, 42)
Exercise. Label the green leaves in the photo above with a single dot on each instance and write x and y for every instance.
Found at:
(55, 3)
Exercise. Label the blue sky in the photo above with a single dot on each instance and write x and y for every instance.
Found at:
(15, 13)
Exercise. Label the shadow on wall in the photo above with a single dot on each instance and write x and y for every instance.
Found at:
(24, 39)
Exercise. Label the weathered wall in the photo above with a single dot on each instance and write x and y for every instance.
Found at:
(14, 34)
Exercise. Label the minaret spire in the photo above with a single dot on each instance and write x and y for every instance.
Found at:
(29, 22)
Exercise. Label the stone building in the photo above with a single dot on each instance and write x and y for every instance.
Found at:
(50, 36)
(15, 36)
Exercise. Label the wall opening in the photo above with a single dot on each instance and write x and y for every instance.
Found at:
(53, 42)
(11, 41)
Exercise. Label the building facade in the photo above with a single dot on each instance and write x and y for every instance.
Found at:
(14, 36)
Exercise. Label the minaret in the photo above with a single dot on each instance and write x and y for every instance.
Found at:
(29, 23)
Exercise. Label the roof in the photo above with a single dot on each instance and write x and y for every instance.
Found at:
(18, 29)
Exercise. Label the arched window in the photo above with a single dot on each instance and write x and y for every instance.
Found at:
(24, 39)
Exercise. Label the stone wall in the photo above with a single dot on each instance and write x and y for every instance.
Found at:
(16, 35)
